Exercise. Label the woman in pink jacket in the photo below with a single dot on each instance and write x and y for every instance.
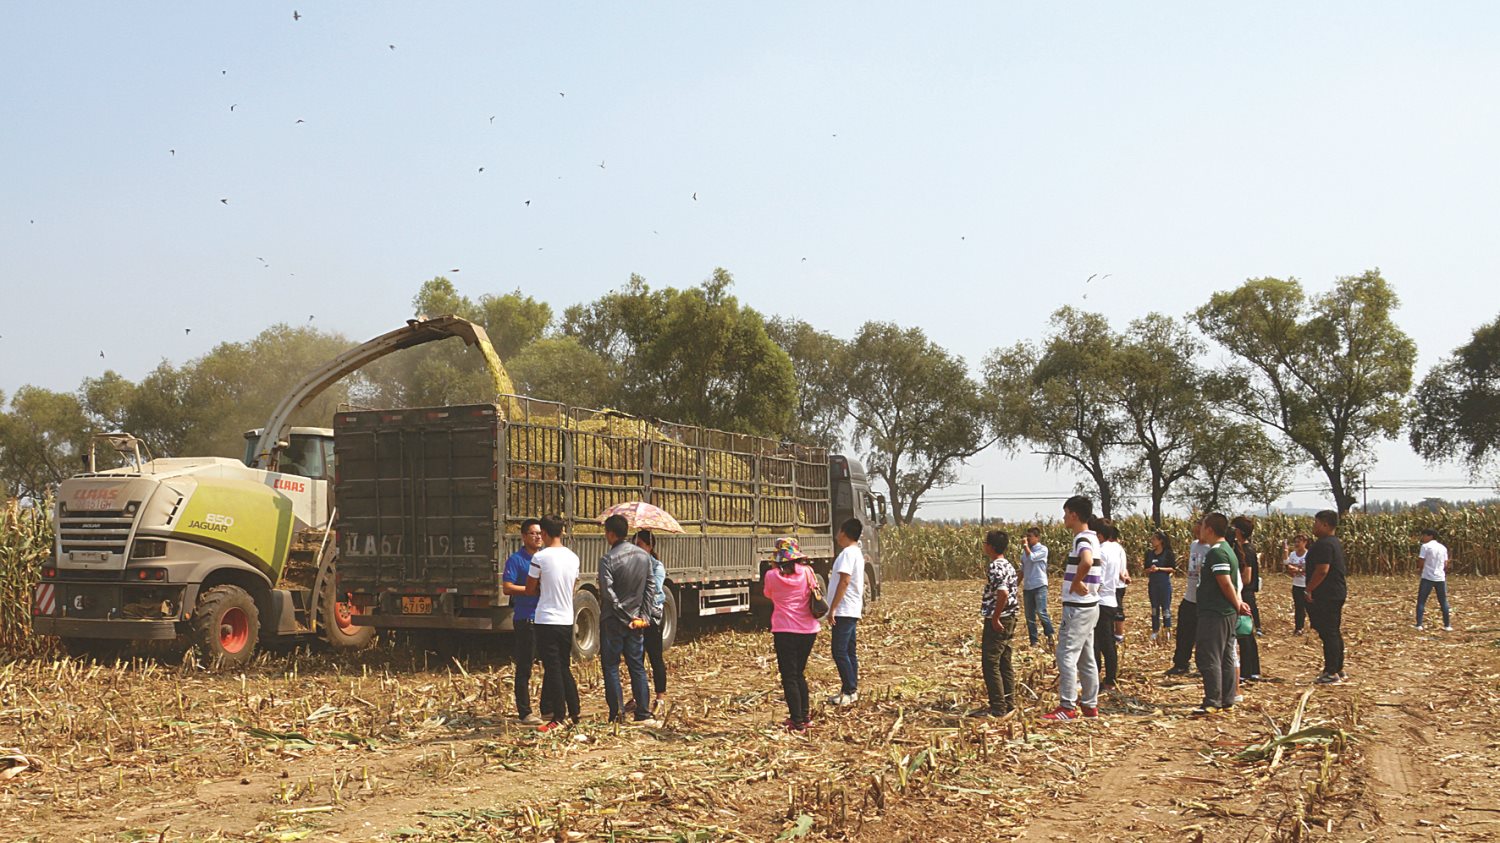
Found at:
(788, 585)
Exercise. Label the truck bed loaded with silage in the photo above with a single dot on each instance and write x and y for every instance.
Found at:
(430, 503)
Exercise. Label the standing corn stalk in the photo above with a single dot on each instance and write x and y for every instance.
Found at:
(25, 542)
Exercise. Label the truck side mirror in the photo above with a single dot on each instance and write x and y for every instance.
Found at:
(880, 501)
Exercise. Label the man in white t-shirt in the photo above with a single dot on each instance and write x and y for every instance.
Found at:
(552, 578)
(1434, 556)
(1077, 672)
(1296, 565)
(847, 581)
(1187, 610)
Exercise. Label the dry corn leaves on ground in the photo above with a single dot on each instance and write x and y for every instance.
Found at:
(305, 747)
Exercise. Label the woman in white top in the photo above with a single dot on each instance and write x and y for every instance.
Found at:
(1296, 565)
(1111, 578)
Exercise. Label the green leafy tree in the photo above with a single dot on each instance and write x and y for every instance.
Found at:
(1234, 463)
(560, 369)
(1061, 400)
(1456, 412)
(917, 413)
(694, 355)
(1329, 373)
(820, 364)
(43, 439)
(514, 321)
(1159, 390)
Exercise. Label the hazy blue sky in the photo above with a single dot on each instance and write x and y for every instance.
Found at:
(959, 167)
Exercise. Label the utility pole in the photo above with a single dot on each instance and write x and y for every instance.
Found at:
(981, 503)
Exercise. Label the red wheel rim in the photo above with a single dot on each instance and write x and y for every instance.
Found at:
(234, 630)
(343, 615)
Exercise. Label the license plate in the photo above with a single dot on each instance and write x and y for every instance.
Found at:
(416, 605)
(88, 556)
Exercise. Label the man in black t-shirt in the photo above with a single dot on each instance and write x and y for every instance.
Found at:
(1327, 590)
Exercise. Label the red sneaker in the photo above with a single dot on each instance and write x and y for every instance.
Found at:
(1061, 713)
(549, 726)
(1089, 710)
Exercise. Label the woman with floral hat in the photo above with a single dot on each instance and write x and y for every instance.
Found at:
(789, 585)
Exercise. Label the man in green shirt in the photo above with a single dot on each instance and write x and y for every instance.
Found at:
(1219, 606)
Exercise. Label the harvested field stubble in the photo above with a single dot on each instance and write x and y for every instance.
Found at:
(383, 748)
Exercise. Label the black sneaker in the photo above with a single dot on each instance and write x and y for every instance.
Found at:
(1177, 671)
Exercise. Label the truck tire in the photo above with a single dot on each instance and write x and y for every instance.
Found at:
(585, 626)
(337, 619)
(103, 650)
(669, 619)
(226, 626)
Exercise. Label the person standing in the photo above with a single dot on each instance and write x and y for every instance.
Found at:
(552, 579)
(1249, 574)
(1187, 610)
(998, 608)
(1077, 672)
(1296, 565)
(788, 585)
(1159, 566)
(1434, 556)
(647, 542)
(523, 617)
(847, 582)
(1034, 583)
(1111, 570)
(1219, 605)
(627, 595)
(1327, 591)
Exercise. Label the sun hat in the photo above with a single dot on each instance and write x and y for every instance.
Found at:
(787, 550)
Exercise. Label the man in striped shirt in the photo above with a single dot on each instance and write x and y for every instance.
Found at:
(1077, 672)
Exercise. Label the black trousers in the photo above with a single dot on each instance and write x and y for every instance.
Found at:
(559, 690)
(1187, 635)
(1299, 605)
(654, 655)
(1106, 650)
(1328, 619)
(792, 652)
(522, 654)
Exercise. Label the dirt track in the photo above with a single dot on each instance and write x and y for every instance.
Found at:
(395, 751)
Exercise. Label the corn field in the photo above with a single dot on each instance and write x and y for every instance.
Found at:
(25, 541)
(1373, 544)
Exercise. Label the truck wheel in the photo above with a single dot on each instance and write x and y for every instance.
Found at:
(585, 626)
(226, 626)
(669, 620)
(99, 649)
(337, 618)
(872, 586)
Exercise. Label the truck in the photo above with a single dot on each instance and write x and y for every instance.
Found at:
(221, 553)
(431, 502)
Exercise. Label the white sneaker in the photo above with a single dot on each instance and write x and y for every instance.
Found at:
(844, 699)
(1153, 636)
(1419, 627)
(1448, 629)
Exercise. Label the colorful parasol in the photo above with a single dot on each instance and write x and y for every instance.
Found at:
(643, 516)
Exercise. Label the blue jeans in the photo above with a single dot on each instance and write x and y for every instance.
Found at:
(1077, 672)
(1035, 603)
(844, 655)
(617, 638)
(1160, 591)
(1424, 590)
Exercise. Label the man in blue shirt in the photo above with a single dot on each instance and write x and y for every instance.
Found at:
(523, 617)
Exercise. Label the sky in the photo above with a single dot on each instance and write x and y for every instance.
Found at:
(963, 168)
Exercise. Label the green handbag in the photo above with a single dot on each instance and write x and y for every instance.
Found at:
(1245, 625)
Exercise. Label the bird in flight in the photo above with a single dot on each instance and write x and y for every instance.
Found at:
(454, 269)
(174, 152)
(231, 108)
(695, 196)
(296, 15)
(492, 118)
(309, 319)
(804, 260)
(528, 203)
(481, 169)
(601, 165)
(187, 331)
(101, 355)
(561, 94)
(392, 46)
(225, 201)
(300, 120)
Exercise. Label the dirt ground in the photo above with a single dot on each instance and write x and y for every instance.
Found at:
(307, 746)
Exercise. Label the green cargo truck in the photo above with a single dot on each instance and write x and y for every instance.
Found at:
(430, 503)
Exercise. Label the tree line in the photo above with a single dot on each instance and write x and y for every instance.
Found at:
(1142, 411)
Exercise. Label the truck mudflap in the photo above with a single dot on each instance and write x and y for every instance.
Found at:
(124, 630)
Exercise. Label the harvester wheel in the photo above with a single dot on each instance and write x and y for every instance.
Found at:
(226, 626)
(338, 619)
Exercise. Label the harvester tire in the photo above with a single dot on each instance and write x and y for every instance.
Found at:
(337, 619)
(226, 627)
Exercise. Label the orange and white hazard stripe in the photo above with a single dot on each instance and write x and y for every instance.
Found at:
(44, 602)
